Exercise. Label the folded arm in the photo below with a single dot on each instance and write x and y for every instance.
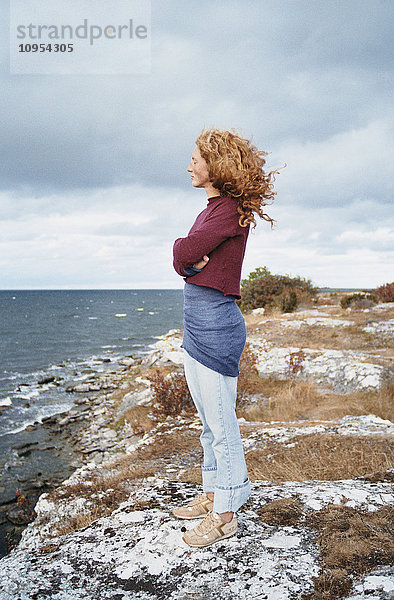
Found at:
(188, 251)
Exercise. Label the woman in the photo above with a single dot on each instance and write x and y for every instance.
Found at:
(230, 169)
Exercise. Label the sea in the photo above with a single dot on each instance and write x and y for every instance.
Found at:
(65, 334)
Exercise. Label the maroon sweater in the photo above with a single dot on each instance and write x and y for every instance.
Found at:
(217, 233)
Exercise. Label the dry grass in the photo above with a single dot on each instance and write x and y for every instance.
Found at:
(288, 401)
(192, 475)
(106, 491)
(139, 419)
(266, 387)
(284, 512)
(350, 337)
(49, 548)
(111, 485)
(170, 445)
(115, 476)
(82, 520)
(285, 402)
(113, 480)
(321, 457)
(352, 542)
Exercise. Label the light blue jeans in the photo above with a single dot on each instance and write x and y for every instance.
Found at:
(224, 468)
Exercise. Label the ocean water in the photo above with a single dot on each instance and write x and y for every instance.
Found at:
(66, 334)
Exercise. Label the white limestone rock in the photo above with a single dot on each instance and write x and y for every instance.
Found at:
(167, 350)
(383, 329)
(344, 370)
(136, 554)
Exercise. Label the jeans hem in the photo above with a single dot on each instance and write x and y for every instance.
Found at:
(209, 475)
(231, 499)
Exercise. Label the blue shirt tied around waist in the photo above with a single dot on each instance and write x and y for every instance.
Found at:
(214, 329)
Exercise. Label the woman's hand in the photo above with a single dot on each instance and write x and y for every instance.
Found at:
(201, 263)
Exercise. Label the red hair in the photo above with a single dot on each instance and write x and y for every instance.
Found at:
(235, 168)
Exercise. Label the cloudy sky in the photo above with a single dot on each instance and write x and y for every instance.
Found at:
(93, 181)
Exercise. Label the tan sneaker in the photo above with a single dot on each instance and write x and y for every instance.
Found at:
(199, 507)
(212, 529)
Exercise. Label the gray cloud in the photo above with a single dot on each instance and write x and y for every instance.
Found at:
(85, 157)
(292, 70)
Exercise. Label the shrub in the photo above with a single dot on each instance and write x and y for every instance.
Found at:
(170, 394)
(385, 292)
(263, 289)
(358, 300)
(289, 301)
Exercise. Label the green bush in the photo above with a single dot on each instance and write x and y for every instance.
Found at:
(385, 292)
(289, 302)
(358, 300)
(262, 289)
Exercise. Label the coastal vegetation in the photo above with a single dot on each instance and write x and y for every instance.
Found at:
(359, 300)
(262, 289)
(385, 292)
(366, 299)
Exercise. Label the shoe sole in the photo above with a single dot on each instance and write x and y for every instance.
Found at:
(191, 518)
(211, 543)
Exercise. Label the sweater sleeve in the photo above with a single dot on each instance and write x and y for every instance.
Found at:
(190, 271)
(219, 225)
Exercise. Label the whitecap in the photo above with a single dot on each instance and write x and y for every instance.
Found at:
(5, 402)
(92, 318)
(151, 313)
(121, 315)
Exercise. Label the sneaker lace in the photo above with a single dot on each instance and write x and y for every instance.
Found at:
(208, 523)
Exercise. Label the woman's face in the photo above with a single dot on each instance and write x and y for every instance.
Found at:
(198, 169)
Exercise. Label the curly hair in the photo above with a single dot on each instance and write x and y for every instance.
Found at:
(235, 168)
